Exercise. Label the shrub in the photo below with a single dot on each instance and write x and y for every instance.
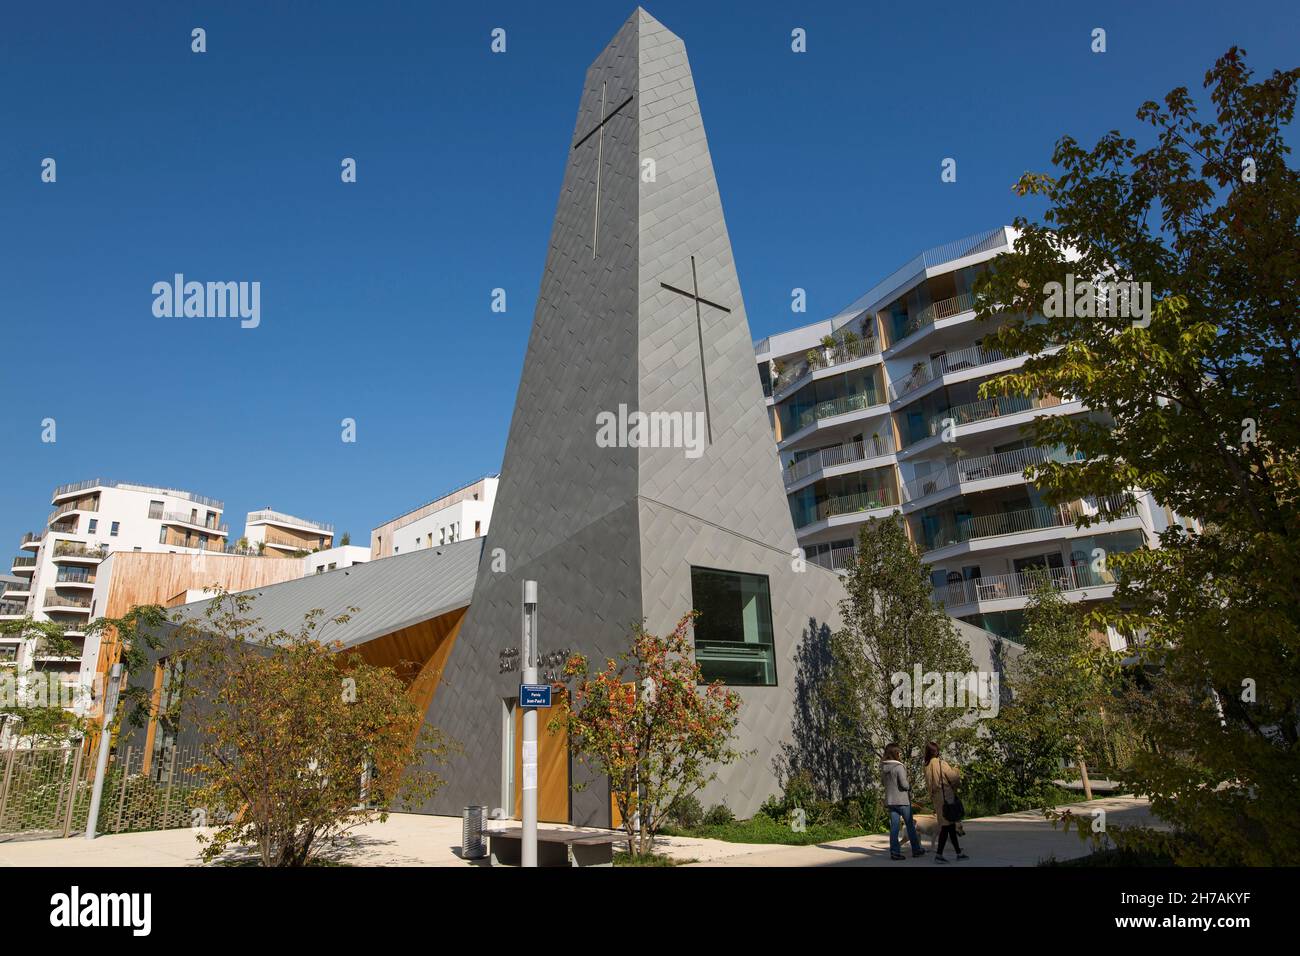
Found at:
(685, 813)
(719, 815)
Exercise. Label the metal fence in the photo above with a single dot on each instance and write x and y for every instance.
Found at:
(45, 791)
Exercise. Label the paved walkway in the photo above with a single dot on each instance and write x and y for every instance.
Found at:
(1017, 839)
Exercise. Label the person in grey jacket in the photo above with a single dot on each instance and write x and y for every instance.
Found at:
(898, 801)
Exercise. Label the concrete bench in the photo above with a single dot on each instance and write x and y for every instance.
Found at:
(554, 847)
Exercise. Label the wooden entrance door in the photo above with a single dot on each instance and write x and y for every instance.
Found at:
(552, 768)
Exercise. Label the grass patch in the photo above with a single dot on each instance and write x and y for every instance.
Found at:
(763, 829)
(647, 859)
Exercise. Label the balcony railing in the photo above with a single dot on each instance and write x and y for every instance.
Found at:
(181, 517)
(1028, 519)
(845, 454)
(31, 537)
(24, 562)
(74, 576)
(932, 313)
(842, 353)
(78, 549)
(839, 406)
(977, 469)
(836, 559)
(54, 599)
(72, 506)
(997, 587)
(282, 542)
(852, 504)
(994, 407)
(925, 372)
(13, 608)
(76, 486)
(279, 517)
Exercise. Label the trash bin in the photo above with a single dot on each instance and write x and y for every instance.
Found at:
(472, 846)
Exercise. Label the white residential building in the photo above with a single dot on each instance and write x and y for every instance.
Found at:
(462, 513)
(91, 519)
(887, 417)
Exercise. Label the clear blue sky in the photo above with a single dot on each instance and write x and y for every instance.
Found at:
(375, 296)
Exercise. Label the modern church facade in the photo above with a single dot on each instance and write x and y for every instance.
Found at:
(640, 309)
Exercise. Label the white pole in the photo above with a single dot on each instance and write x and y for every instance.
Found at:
(529, 654)
(101, 762)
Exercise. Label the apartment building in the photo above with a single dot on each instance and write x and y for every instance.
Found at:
(277, 534)
(464, 512)
(877, 410)
(90, 519)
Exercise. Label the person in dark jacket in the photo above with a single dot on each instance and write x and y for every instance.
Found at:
(898, 800)
(943, 781)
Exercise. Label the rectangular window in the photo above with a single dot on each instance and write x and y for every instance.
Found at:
(113, 529)
(733, 634)
(93, 526)
(155, 510)
(162, 535)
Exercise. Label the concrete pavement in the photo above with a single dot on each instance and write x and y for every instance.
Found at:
(1015, 839)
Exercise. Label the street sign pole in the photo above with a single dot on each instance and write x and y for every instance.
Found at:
(101, 763)
(529, 654)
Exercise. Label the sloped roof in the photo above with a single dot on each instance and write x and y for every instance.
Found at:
(389, 594)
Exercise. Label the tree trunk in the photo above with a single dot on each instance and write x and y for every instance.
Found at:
(1083, 775)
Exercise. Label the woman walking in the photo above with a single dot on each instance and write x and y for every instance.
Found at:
(942, 781)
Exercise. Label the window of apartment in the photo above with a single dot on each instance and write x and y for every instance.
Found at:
(155, 510)
(733, 634)
(478, 525)
(93, 526)
(320, 569)
(333, 565)
(203, 541)
(113, 529)
(162, 535)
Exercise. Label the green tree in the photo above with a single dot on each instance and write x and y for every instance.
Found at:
(651, 726)
(301, 743)
(891, 625)
(1058, 699)
(1201, 406)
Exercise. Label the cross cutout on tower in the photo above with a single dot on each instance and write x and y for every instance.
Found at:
(699, 332)
(599, 128)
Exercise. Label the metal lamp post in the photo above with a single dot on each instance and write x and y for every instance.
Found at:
(528, 651)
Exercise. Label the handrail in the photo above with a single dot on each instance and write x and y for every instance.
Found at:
(180, 517)
(997, 587)
(68, 489)
(844, 454)
(855, 503)
(925, 372)
(279, 517)
(1028, 519)
(854, 402)
(995, 407)
(842, 353)
(54, 599)
(986, 466)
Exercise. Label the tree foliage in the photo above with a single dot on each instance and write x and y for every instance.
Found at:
(650, 725)
(1201, 407)
(890, 625)
(301, 741)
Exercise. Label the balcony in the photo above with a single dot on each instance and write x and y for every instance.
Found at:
(1020, 584)
(923, 373)
(71, 489)
(855, 503)
(978, 469)
(31, 541)
(842, 353)
(78, 577)
(995, 407)
(68, 506)
(193, 521)
(935, 312)
(24, 565)
(18, 591)
(279, 517)
(836, 559)
(856, 402)
(973, 527)
(846, 454)
(12, 609)
(78, 551)
(73, 602)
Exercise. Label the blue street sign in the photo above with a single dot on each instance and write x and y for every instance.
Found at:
(534, 695)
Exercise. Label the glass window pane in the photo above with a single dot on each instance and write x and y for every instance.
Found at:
(733, 633)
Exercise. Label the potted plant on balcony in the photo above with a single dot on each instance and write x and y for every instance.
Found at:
(777, 368)
(813, 359)
(849, 344)
(828, 348)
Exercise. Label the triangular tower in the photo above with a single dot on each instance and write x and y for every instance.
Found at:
(640, 310)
